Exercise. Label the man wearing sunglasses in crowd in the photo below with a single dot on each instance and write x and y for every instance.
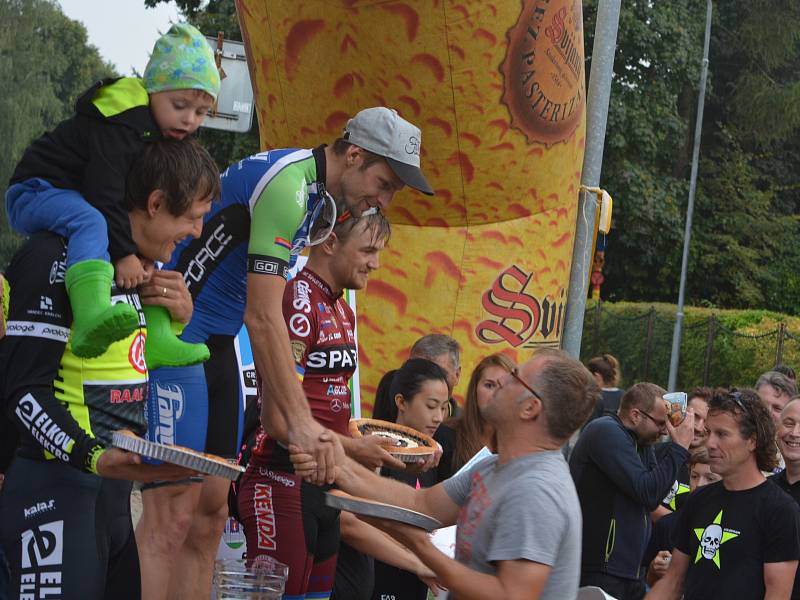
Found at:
(620, 482)
(736, 538)
(236, 272)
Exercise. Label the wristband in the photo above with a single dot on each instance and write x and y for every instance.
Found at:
(92, 457)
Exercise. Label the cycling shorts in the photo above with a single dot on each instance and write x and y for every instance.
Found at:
(286, 518)
(67, 534)
(177, 406)
(199, 406)
(225, 397)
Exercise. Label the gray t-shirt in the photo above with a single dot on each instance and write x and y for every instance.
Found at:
(525, 509)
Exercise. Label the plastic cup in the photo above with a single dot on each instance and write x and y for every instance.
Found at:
(261, 578)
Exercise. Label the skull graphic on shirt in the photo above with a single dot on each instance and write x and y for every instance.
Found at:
(710, 541)
(711, 538)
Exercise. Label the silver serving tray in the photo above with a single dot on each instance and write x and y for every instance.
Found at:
(369, 508)
(176, 456)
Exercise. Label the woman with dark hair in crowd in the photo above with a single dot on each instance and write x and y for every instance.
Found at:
(416, 395)
(605, 369)
(385, 408)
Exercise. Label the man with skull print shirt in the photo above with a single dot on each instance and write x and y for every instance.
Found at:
(737, 538)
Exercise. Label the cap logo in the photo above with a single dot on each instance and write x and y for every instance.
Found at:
(412, 147)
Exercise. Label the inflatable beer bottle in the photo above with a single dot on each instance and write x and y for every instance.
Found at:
(497, 88)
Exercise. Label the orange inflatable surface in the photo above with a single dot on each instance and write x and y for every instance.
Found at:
(497, 88)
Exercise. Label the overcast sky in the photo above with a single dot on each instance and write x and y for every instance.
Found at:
(124, 31)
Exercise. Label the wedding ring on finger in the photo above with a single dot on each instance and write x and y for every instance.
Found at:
(164, 292)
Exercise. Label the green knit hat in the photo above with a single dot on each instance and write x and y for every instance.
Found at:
(182, 59)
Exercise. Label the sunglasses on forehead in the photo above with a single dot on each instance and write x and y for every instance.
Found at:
(738, 397)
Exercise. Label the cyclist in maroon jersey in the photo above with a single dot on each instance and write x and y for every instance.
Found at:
(283, 516)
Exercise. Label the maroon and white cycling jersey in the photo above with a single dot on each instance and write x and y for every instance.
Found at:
(283, 516)
(321, 335)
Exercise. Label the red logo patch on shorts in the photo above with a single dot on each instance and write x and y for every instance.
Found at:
(136, 353)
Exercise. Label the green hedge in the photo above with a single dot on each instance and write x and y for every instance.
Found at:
(743, 343)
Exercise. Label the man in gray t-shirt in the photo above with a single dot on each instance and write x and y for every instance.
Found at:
(525, 509)
(519, 520)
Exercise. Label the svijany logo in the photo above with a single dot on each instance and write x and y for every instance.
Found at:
(519, 315)
(543, 71)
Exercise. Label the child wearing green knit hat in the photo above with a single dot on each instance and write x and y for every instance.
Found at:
(180, 61)
(71, 181)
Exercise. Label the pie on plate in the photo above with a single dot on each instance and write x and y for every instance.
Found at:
(410, 444)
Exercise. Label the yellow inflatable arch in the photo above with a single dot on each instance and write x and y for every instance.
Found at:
(497, 87)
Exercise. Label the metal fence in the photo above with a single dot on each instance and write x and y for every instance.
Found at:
(711, 352)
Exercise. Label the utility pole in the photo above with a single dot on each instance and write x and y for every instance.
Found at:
(597, 96)
(687, 235)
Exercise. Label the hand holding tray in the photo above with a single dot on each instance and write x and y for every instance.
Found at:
(410, 444)
(177, 455)
(379, 510)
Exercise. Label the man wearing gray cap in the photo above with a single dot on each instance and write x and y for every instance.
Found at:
(237, 272)
(383, 133)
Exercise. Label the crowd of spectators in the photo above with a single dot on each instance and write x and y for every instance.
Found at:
(649, 530)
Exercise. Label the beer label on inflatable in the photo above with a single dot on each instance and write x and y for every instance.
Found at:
(543, 74)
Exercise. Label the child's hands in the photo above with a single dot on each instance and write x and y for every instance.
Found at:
(129, 272)
(167, 289)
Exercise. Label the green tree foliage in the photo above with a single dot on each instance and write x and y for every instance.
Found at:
(760, 38)
(718, 347)
(744, 245)
(45, 63)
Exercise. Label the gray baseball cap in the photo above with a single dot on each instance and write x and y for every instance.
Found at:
(385, 133)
